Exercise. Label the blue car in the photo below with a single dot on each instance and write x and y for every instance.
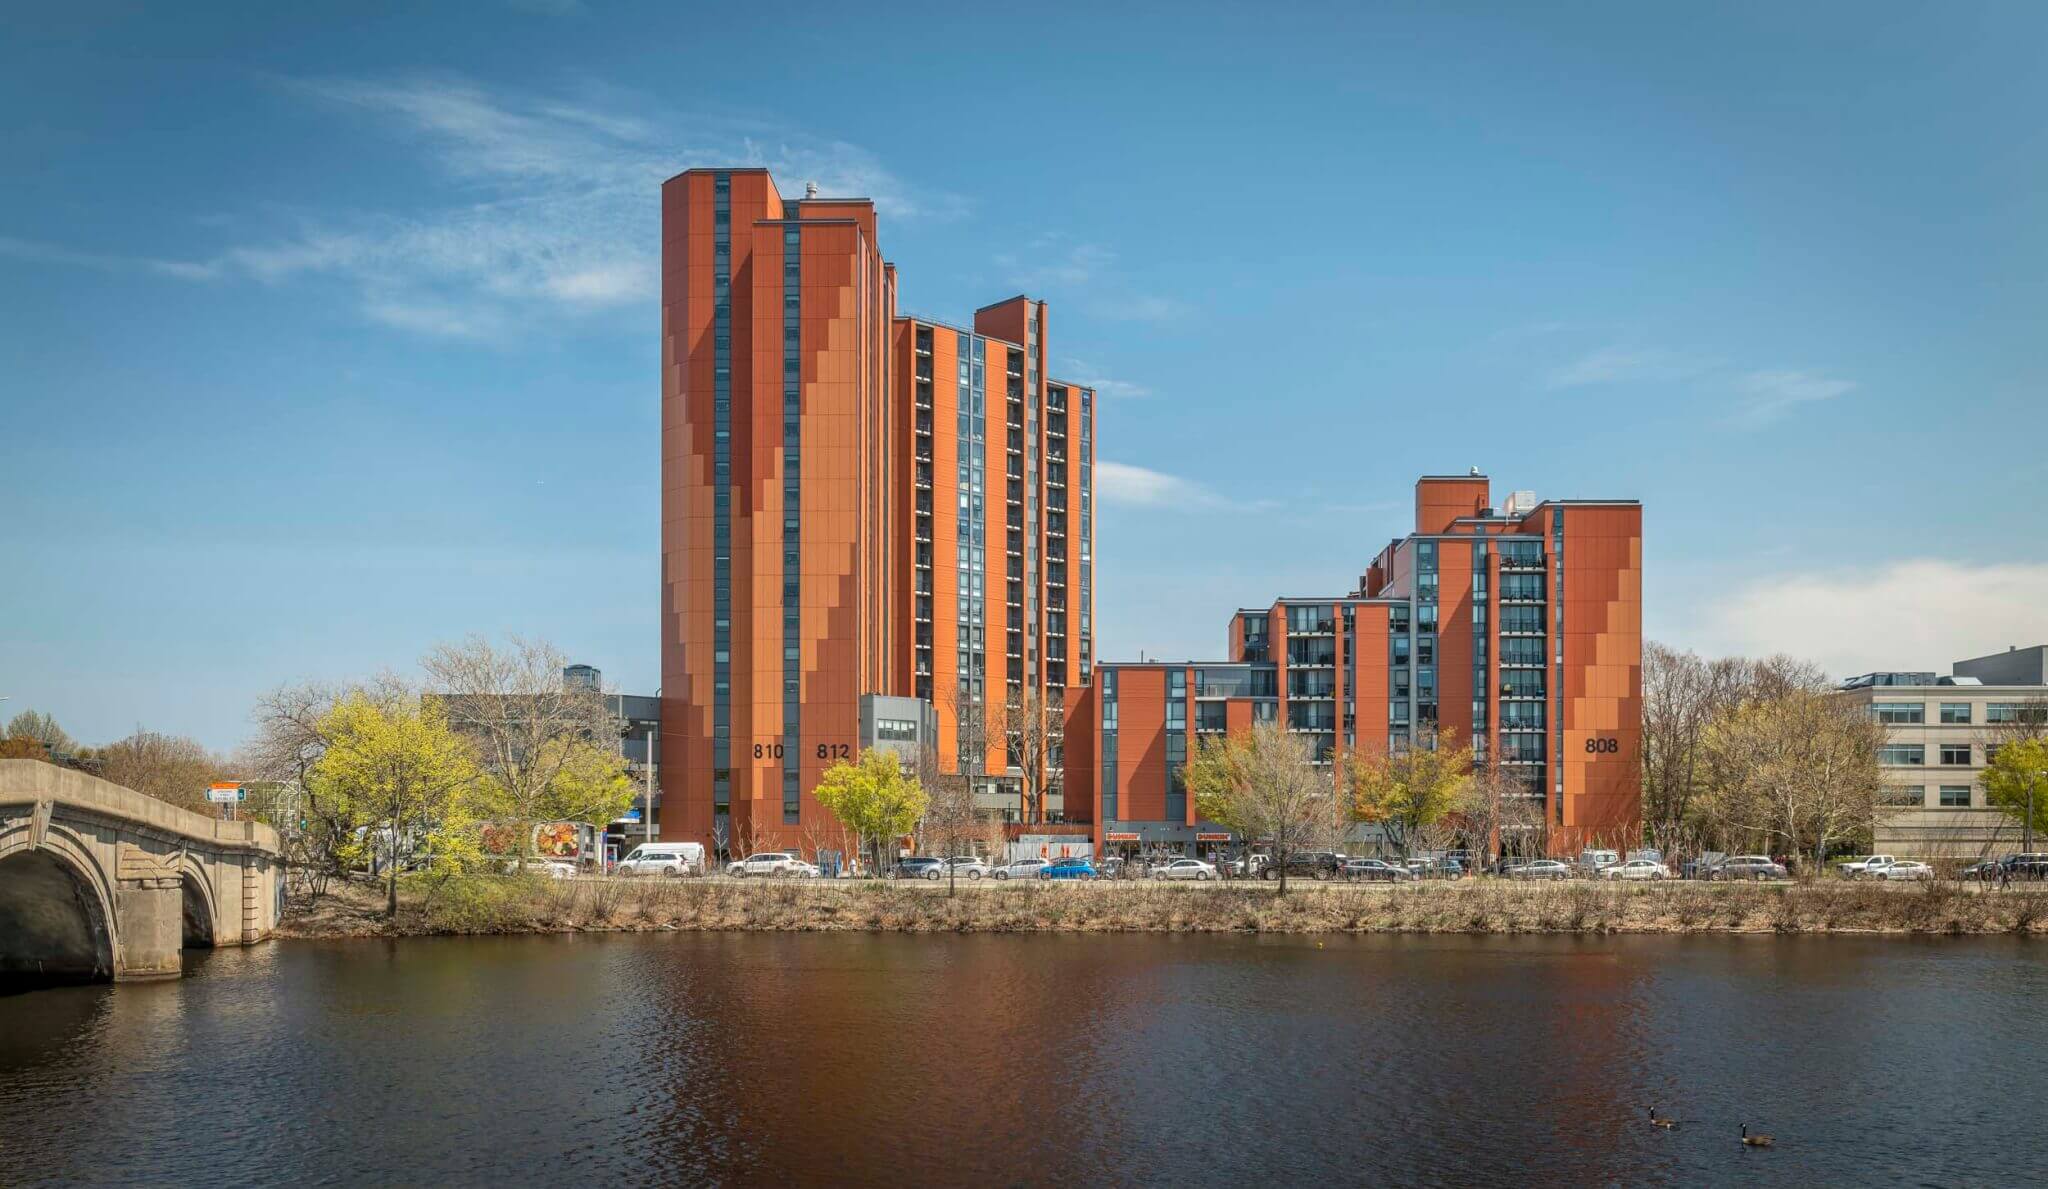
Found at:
(1069, 869)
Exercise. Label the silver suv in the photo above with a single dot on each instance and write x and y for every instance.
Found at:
(1747, 867)
(768, 862)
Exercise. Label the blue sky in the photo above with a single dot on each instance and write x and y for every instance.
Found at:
(328, 332)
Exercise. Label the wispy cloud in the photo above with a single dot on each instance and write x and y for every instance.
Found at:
(1132, 486)
(1916, 614)
(1053, 259)
(1141, 308)
(1082, 372)
(1766, 396)
(1754, 399)
(557, 211)
(185, 270)
(1056, 262)
(1627, 365)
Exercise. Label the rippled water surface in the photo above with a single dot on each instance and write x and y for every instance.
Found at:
(757, 1058)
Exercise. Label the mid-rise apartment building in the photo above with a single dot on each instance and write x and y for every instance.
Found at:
(1940, 734)
(1515, 630)
(842, 490)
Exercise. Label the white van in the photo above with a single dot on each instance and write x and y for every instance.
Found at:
(1593, 862)
(664, 858)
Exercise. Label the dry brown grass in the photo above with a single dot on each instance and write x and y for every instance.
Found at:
(491, 904)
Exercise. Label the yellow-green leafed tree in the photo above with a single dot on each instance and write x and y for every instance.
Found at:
(874, 797)
(545, 746)
(401, 769)
(584, 782)
(2015, 772)
(1409, 790)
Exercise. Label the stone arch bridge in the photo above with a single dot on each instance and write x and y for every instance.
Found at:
(101, 882)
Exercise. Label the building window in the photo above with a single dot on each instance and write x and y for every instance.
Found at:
(1955, 796)
(1899, 713)
(1955, 755)
(1955, 713)
(1902, 754)
(1901, 794)
(2012, 712)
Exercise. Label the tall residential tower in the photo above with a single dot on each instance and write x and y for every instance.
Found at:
(855, 507)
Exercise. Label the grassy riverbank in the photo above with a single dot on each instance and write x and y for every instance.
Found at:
(496, 904)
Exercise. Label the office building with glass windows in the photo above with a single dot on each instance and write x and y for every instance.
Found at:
(854, 504)
(1940, 734)
(1517, 630)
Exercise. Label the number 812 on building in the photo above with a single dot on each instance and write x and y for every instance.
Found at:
(825, 751)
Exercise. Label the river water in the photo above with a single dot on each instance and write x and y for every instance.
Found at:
(998, 1060)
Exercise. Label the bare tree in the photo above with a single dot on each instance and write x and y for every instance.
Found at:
(537, 736)
(1265, 785)
(950, 821)
(1798, 768)
(32, 724)
(1485, 802)
(1032, 730)
(1524, 827)
(168, 767)
(1683, 697)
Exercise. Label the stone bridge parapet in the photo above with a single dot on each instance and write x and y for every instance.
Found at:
(98, 881)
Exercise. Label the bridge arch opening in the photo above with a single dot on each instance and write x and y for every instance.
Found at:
(198, 915)
(53, 926)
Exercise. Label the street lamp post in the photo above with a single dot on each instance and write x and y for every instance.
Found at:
(647, 798)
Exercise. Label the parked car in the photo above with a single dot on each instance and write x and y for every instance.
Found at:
(1906, 869)
(1508, 867)
(1436, 868)
(803, 869)
(1375, 871)
(1020, 869)
(1747, 867)
(1307, 864)
(768, 862)
(918, 867)
(1244, 867)
(1593, 862)
(1068, 869)
(1871, 866)
(1185, 869)
(663, 858)
(1988, 869)
(1541, 869)
(967, 867)
(2032, 865)
(1637, 869)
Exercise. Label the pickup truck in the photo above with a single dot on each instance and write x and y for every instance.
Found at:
(1861, 868)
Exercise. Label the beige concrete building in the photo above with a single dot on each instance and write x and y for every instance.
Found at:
(1941, 733)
